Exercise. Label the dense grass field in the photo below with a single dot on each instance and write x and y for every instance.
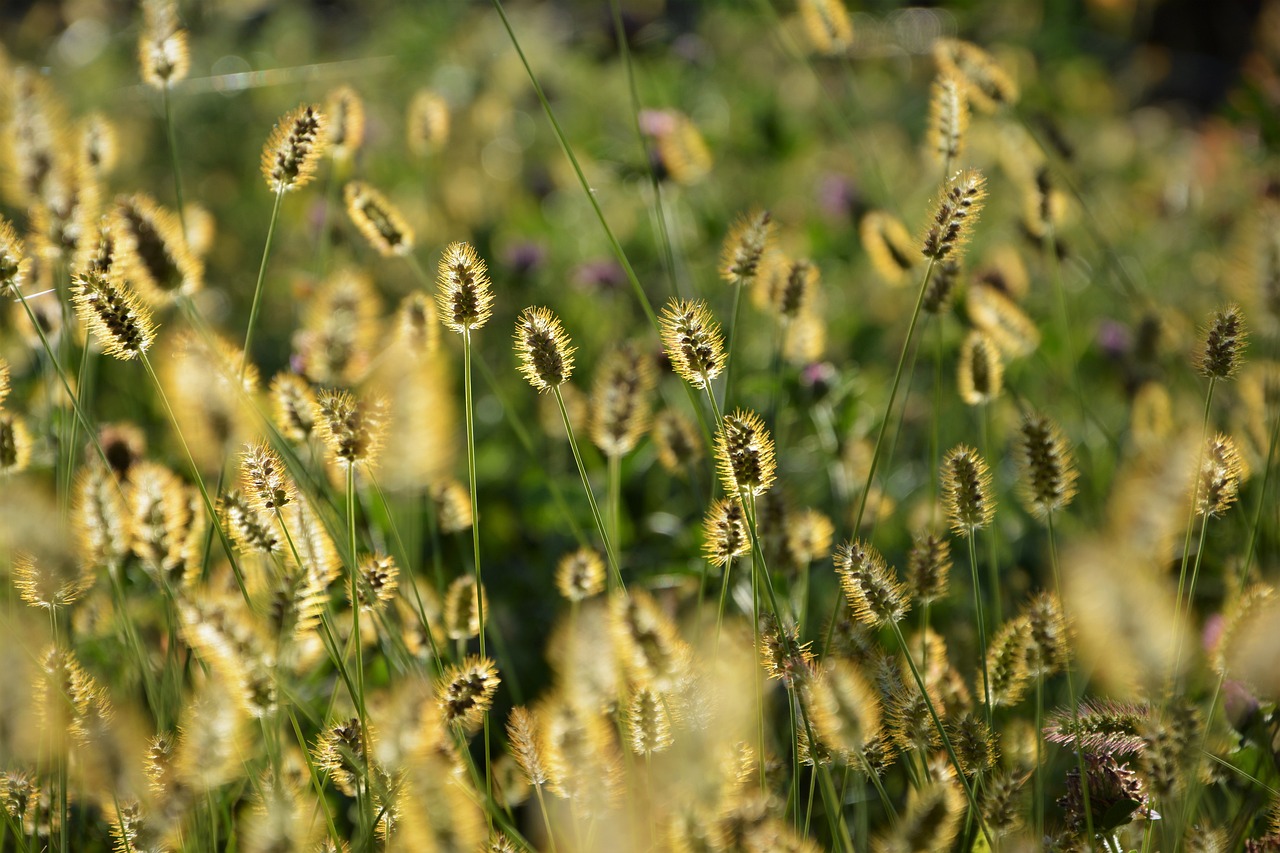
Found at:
(636, 426)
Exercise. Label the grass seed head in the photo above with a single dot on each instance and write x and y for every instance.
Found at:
(988, 86)
(677, 442)
(294, 148)
(351, 429)
(948, 116)
(693, 341)
(827, 26)
(264, 479)
(966, 490)
(463, 295)
(808, 536)
(162, 47)
(543, 348)
(150, 250)
(744, 449)
(427, 123)
(1222, 469)
(525, 746)
(293, 405)
(1221, 350)
(844, 707)
(377, 580)
(115, 315)
(378, 220)
(1046, 465)
(14, 265)
(994, 312)
(888, 245)
(928, 567)
(462, 609)
(955, 216)
(580, 575)
(15, 443)
(620, 400)
(725, 534)
(465, 692)
(745, 246)
(647, 722)
(980, 374)
(875, 595)
(345, 110)
(452, 501)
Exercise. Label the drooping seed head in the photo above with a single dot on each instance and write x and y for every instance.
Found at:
(14, 264)
(995, 313)
(378, 220)
(427, 123)
(466, 692)
(1221, 471)
(1222, 349)
(543, 348)
(744, 450)
(114, 314)
(745, 246)
(724, 532)
(966, 490)
(162, 47)
(293, 403)
(888, 245)
(463, 294)
(827, 26)
(677, 442)
(1047, 467)
(948, 116)
(929, 567)
(980, 374)
(352, 430)
(248, 530)
(875, 595)
(988, 86)
(345, 110)
(15, 444)
(580, 575)
(956, 215)
(147, 247)
(293, 149)
(693, 341)
(264, 479)
(620, 400)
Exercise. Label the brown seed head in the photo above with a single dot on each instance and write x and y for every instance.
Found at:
(957, 212)
(246, 526)
(948, 116)
(580, 575)
(874, 594)
(693, 341)
(980, 374)
(745, 246)
(265, 480)
(293, 403)
(465, 692)
(724, 532)
(14, 265)
(827, 26)
(928, 567)
(1048, 469)
(463, 295)
(988, 86)
(377, 581)
(543, 348)
(162, 47)
(1221, 471)
(677, 442)
(15, 444)
(974, 744)
(378, 220)
(1049, 643)
(345, 111)
(352, 430)
(114, 314)
(293, 149)
(340, 753)
(966, 490)
(1007, 663)
(942, 285)
(620, 400)
(744, 449)
(1222, 350)
(888, 245)
(797, 291)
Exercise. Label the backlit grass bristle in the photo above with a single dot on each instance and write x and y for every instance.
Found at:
(948, 116)
(15, 443)
(14, 265)
(999, 316)
(1221, 471)
(339, 752)
(784, 657)
(543, 349)
(341, 329)
(1002, 803)
(248, 530)
(744, 451)
(351, 429)
(100, 517)
(1100, 727)
(966, 490)
(523, 738)
(47, 582)
(646, 641)
(452, 503)
(97, 149)
(377, 582)
(677, 442)
(463, 295)
(294, 149)
(745, 247)
(98, 251)
(465, 692)
(151, 250)
(988, 86)
(36, 136)
(314, 546)
(888, 245)
(115, 315)
(942, 286)
(908, 721)
(928, 567)
(462, 609)
(827, 26)
(808, 536)
(974, 744)
(844, 708)
(264, 479)
(580, 575)
(1047, 468)
(682, 149)
(620, 400)
(724, 531)
(1049, 643)
(426, 123)
(418, 324)
(931, 821)
(293, 406)
(344, 109)
(955, 216)
(1044, 204)
(798, 289)
(693, 341)
(162, 47)
(980, 373)
(875, 595)
(378, 220)
(1007, 664)
(647, 722)
(1221, 349)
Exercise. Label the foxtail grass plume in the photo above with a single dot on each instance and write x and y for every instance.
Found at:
(378, 220)
(248, 530)
(264, 479)
(844, 707)
(931, 821)
(14, 264)
(677, 442)
(294, 148)
(888, 245)
(647, 722)
(427, 123)
(620, 400)
(942, 285)
(797, 291)
(543, 348)
(162, 47)
(1049, 643)
(646, 641)
(995, 313)
(1151, 417)
(293, 406)
(48, 583)
(682, 149)
(462, 609)
(827, 26)
(465, 692)
(418, 328)
(151, 251)
(948, 116)
(1002, 803)
(693, 341)
(15, 444)
(525, 746)
(874, 594)
(955, 216)
(1007, 664)
(351, 429)
(1222, 349)
(345, 111)
(980, 373)
(974, 744)
(1046, 465)
(451, 500)
(114, 314)
(99, 517)
(966, 490)
(808, 536)
(580, 575)
(340, 753)
(463, 294)
(378, 578)
(745, 247)
(97, 145)
(988, 85)
(724, 532)
(1221, 471)
(928, 567)
(745, 453)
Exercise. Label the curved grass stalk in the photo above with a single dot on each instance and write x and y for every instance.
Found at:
(616, 577)
(262, 273)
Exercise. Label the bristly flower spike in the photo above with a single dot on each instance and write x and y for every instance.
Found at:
(966, 490)
(948, 116)
(1048, 468)
(544, 350)
(295, 145)
(463, 294)
(980, 374)
(1222, 350)
(264, 480)
(693, 341)
(955, 216)
(745, 247)
(744, 449)
(378, 220)
(875, 595)
(162, 47)
(115, 315)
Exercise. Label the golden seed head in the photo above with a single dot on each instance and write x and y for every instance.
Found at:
(14, 265)
(956, 214)
(246, 526)
(15, 444)
(100, 517)
(974, 744)
(648, 723)
(888, 245)
(293, 149)
(744, 449)
(798, 289)
(345, 110)
(646, 641)
(1001, 805)
(677, 442)
(966, 490)
(782, 655)
(808, 536)
(875, 595)
(48, 583)
(745, 246)
(149, 250)
(342, 326)
(352, 430)
(620, 400)
(845, 707)
(724, 532)
(1222, 349)
(929, 567)
(683, 151)
(994, 312)
(340, 753)
(418, 327)
(162, 47)
(378, 220)
(1048, 646)
(462, 609)
(987, 85)
(465, 692)
(463, 295)
(580, 575)
(948, 116)
(427, 123)
(827, 26)
(265, 480)
(525, 745)
(1048, 469)
(97, 151)
(452, 502)
(693, 341)
(980, 374)
(1007, 663)
(377, 581)
(114, 314)
(293, 404)
(1221, 471)
(543, 348)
